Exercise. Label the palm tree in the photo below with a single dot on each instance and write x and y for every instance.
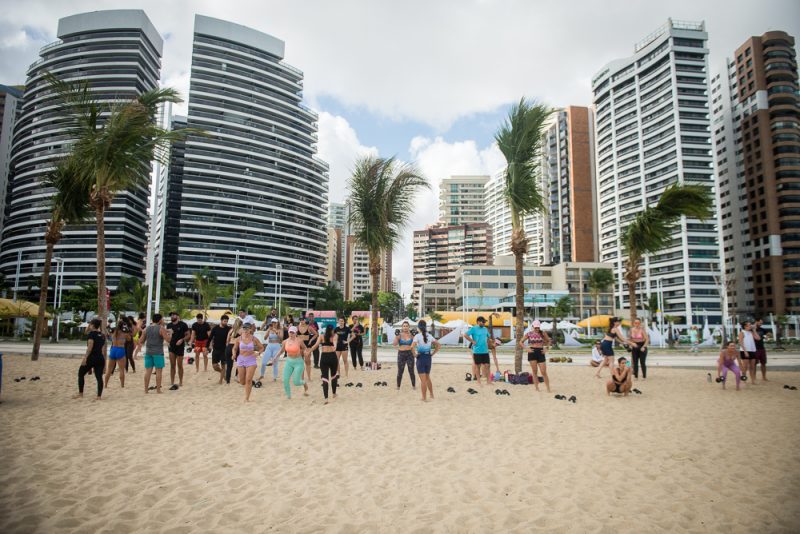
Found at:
(651, 230)
(562, 308)
(131, 294)
(436, 317)
(380, 203)
(114, 144)
(205, 282)
(328, 298)
(70, 205)
(599, 281)
(519, 139)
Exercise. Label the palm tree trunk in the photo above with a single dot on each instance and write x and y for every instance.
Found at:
(102, 311)
(374, 271)
(43, 287)
(631, 277)
(519, 247)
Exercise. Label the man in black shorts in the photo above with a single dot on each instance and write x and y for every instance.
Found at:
(478, 335)
(200, 330)
(177, 344)
(219, 339)
(759, 336)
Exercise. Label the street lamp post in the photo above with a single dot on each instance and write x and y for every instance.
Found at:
(236, 282)
(57, 296)
(279, 286)
(16, 278)
(660, 292)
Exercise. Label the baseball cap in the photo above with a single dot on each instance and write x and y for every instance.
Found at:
(293, 329)
(537, 323)
(274, 320)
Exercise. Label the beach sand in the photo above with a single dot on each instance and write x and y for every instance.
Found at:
(684, 456)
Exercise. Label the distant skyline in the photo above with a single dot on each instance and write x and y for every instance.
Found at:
(425, 81)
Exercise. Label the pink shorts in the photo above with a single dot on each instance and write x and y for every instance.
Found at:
(246, 361)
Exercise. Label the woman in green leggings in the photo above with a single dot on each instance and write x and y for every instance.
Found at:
(293, 368)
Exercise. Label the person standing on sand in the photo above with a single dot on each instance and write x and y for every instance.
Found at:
(343, 336)
(357, 343)
(639, 340)
(153, 338)
(93, 359)
(308, 338)
(621, 381)
(116, 356)
(177, 346)
(694, 338)
(494, 342)
(328, 362)
(293, 368)
(199, 340)
(538, 342)
(313, 325)
(274, 339)
(728, 357)
(425, 348)
(479, 336)
(134, 331)
(405, 356)
(219, 341)
(747, 346)
(607, 344)
(233, 336)
(760, 336)
(245, 353)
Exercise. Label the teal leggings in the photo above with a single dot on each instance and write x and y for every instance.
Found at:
(292, 368)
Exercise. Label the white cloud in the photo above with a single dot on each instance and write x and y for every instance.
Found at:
(339, 147)
(17, 39)
(437, 159)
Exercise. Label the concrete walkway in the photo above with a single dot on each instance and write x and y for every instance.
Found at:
(777, 360)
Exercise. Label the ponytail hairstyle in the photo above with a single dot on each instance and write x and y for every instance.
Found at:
(611, 324)
(423, 327)
(328, 333)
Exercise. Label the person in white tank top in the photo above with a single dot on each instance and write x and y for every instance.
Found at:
(747, 346)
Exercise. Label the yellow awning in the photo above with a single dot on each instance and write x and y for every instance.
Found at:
(600, 321)
(20, 308)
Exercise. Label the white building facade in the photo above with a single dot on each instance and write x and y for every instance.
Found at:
(461, 199)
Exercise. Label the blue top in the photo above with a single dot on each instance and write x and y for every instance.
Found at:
(422, 346)
(481, 336)
(402, 341)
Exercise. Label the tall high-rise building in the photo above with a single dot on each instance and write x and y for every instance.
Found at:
(440, 249)
(338, 230)
(568, 168)
(10, 106)
(498, 215)
(358, 281)
(252, 192)
(756, 126)
(462, 199)
(118, 53)
(337, 216)
(652, 131)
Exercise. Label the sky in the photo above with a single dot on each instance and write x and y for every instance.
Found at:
(426, 81)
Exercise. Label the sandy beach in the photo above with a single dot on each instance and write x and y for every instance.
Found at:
(683, 456)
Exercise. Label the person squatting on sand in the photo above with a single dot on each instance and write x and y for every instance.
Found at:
(728, 358)
(621, 381)
(747, 344)
(93, 359)
(614, 333)
(199, 340)
(639, 342)
(424, 348)
(218, 339)
(293, 368)
(478, 335)
(153, 338)
(245, 351)
(117, 354)
(274, 339)
(538, 342)
(405, 356)
(328, 362)
(597, 355)
(177, 346)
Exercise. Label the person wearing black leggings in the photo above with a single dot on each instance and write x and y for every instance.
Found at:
(638, 335)
(357, 343)
(93, 360)
(328, 361)
(405, 356)
(131, 328)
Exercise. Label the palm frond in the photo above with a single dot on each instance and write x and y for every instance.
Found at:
(519, 140)
(70, 203)
(686, 200)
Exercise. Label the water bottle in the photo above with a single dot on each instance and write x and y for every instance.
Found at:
(708, 379)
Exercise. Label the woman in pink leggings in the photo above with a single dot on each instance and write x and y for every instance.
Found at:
(728, 358)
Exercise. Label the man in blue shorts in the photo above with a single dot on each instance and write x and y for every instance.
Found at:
(153, 338)
(479, 337)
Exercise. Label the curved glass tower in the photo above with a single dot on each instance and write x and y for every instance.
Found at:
(250, 195)
(118, 53)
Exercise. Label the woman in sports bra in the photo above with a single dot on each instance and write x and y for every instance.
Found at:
(620, 378)
(614, 333)
(309, 338)
(728, 358)
(328, 361)
(245, 351)
(639, 341)
(274, 337)
(295, 358)
(538, 342)
(405, 357)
